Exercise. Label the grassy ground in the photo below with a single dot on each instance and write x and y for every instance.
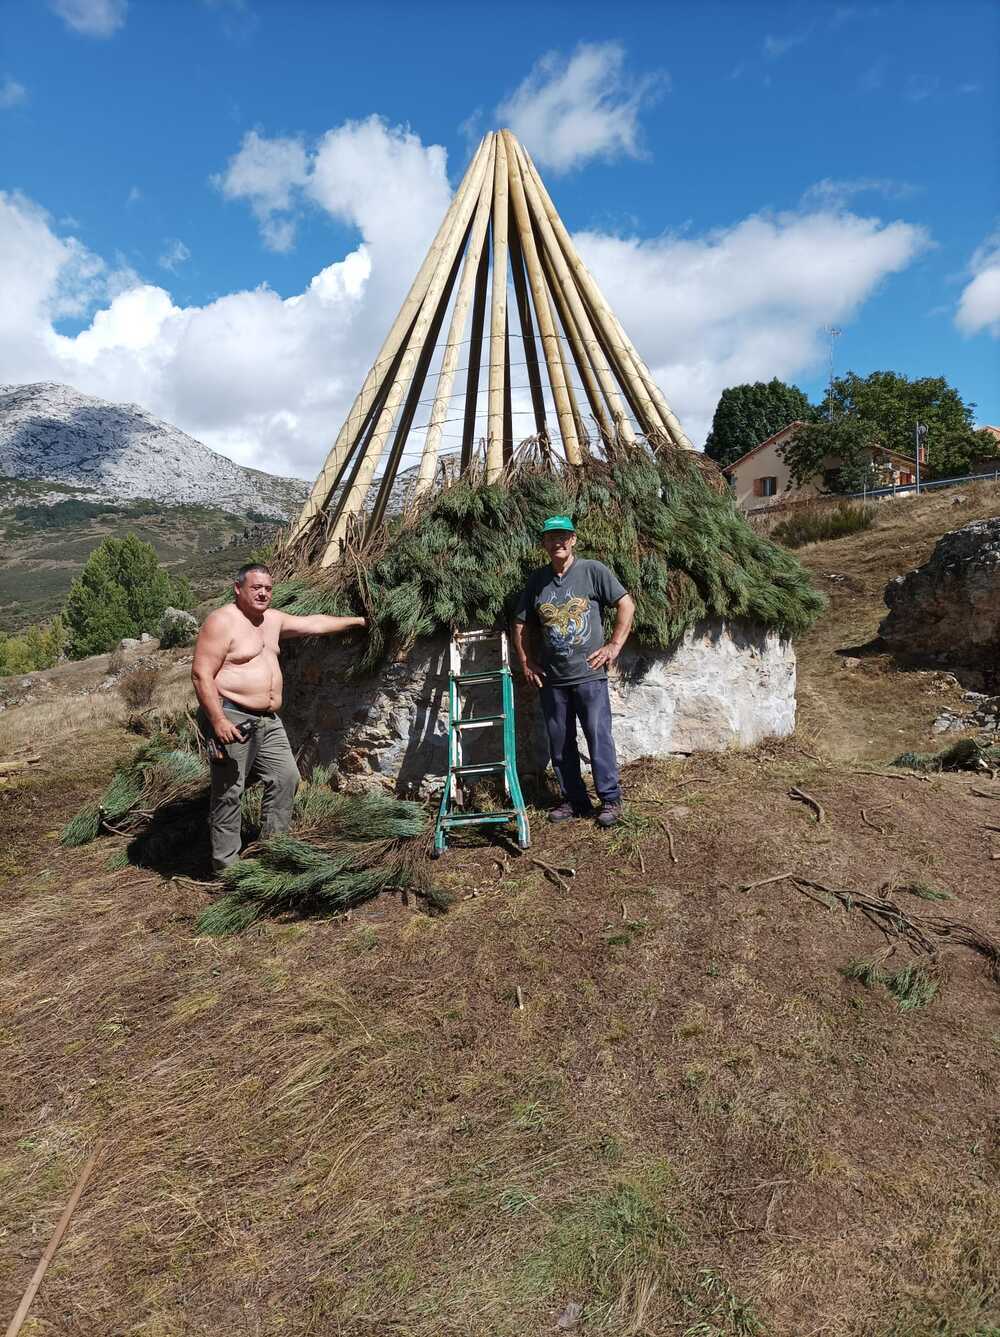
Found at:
(698, 1123)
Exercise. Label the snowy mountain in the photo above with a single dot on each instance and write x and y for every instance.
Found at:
(119, 450)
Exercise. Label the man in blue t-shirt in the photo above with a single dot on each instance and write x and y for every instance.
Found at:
(564, 603)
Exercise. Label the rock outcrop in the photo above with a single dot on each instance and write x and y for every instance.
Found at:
(119, 450)
(947, 612)
(721, 687)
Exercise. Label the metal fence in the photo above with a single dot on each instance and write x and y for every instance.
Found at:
(875, 493)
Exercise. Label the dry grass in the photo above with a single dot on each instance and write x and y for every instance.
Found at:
(695, 1125)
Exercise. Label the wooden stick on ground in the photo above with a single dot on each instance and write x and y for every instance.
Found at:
(670, 840)
(17, 1321)
(803, 797)
(868, 822)
(764, 881)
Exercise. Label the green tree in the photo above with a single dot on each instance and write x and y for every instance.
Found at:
(121, 591)
(891, 405)
(836, 454)
(746, 415)
(37, 647)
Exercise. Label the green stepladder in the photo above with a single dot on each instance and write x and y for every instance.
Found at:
(450, 815)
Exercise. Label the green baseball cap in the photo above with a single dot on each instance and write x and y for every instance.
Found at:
(558, 522)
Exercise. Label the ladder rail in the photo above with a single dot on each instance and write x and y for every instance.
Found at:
(450, 814)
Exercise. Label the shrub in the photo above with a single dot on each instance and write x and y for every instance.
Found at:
(37, 647)
(177, 628)
(137, 687)
(812, 524)
(121, 591)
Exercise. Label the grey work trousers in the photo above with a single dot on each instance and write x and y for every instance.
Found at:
(265, 756)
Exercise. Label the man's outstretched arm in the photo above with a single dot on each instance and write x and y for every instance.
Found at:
(318, 624)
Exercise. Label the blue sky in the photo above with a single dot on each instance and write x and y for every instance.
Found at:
(177, 173)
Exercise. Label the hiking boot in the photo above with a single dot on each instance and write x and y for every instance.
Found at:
(610, 814)
(566, 812)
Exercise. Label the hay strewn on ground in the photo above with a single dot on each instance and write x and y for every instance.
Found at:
(662, 520)
(341, 851)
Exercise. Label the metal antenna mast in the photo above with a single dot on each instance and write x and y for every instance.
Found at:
(833, 332)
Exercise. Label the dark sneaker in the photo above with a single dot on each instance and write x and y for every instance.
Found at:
(610, 814)
(566, 813)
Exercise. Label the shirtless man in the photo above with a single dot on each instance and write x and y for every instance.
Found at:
(237, 678)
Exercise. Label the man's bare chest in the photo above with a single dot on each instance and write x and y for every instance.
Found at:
(250, 643)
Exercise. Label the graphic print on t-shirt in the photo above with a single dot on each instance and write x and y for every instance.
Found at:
(566, 623)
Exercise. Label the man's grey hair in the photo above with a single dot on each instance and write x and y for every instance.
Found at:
(244, 571)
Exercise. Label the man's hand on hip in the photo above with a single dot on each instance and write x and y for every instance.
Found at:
(226, 731)
(605, 656)
(534, 673)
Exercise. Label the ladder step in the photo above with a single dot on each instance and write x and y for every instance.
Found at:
(473, 818)
(488, 675)
(484, 768)
(462, 636)
(478, 722)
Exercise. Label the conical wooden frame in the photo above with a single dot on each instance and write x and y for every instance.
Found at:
(504, 263)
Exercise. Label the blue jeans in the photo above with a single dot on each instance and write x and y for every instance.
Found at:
(561, 708)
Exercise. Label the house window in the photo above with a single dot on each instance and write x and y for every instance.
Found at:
(905, 478)
(765, 487)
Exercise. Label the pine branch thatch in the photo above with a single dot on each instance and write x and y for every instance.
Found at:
(350, 848)
(659, 516)
(158, 774)
(964, 755)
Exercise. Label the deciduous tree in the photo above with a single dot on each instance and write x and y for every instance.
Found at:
(746, 415)
(121, 591)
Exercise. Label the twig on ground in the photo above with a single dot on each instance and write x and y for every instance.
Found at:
(642, 863)
(17, 1322)
(890, 775)
(983, 793)
(750, 886)
(18, 764)
(520, 998)
(802, 797)
(868, 822)
(556, 874)
(670, 840)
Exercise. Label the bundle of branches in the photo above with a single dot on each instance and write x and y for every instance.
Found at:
(661, 518)
(924, 935)
(965, 755)
(156, 776)
(344, 849)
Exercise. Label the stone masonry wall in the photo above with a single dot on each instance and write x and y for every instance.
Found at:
(722, 687)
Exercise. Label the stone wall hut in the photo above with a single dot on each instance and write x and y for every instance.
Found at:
(548, 408)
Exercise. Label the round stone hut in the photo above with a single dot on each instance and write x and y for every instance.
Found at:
(553, 411)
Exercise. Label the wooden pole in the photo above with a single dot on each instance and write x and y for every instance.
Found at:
(582, 359)
(17, 1322)
(578, 330)
(615, 334)
(353, 497)
(498, 318)
(475, 356)
(508, 407)
(543, 310)
(578, 423)
(352, 427)
(527, 332)
(412, 400)
(453, 346)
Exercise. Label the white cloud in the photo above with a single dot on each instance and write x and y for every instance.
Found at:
(567, 111)
(93, 18)
(774, 47)
(12, 93)
(268, 379)
(174, 256)
(133, 197)
(835, 194)
(380, 179)
(268, 174)
(747, 302)
(979, 304)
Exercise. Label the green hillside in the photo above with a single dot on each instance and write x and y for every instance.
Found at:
(43, 546)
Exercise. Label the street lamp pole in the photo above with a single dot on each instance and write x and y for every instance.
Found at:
(919, 433)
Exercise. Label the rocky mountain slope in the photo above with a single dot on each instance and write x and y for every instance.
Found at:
(119, 450)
